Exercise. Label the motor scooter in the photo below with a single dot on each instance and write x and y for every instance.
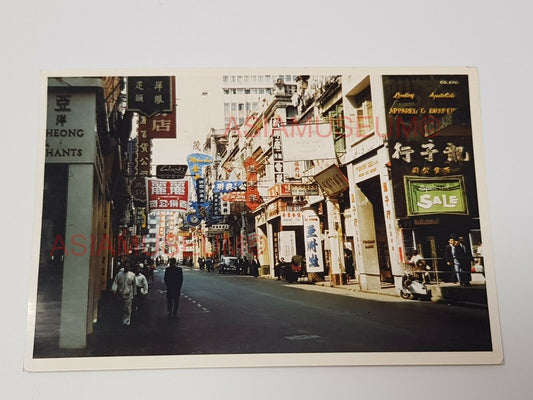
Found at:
(413, 287)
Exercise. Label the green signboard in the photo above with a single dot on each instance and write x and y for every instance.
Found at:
(444, 195)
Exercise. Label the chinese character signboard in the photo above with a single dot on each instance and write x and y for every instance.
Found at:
(291, 218)
(313, 244)
(165, 195)
(150, 95)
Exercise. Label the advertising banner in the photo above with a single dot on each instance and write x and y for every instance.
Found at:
(165, 195)
(435, 196)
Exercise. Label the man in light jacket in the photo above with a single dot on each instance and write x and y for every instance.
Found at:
(124, 285)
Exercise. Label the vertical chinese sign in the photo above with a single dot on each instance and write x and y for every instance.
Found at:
(153, 98)
(252, 196)
(313, 243)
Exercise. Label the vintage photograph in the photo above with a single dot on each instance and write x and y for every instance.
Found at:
(261, 217)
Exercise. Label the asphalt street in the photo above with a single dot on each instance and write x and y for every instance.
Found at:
(232, 314)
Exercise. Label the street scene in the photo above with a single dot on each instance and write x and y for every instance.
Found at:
(238, 314)
(261, 212)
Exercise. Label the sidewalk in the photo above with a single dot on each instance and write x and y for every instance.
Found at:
(443, 292)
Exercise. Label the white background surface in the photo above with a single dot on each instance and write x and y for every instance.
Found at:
(494, 37)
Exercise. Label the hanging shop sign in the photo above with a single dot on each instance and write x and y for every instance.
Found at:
(300, 189)
(229, 186)
(280, 190)
(150, 95)
(313, 244)
(332, 180)
(197, 162)
(138, 191)
(277, 155)
(253, 198)
(171, 171)
(165, 195)
(234, 197)
(435, 196)
(70, 128)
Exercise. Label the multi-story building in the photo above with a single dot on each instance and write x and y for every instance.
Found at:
(243, 94)
(394, 168)
(84, 201)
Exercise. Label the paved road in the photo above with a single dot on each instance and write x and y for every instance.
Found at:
(231, 314)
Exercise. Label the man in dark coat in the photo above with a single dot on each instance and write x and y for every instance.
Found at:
(449, 261)
(174, 280)
(465, 261)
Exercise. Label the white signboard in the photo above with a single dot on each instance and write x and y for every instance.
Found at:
(291, 218)
(287, 245)
(70, 128)
(313, 245)
(309, 141)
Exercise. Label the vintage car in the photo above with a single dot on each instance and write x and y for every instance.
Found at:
(227, 264)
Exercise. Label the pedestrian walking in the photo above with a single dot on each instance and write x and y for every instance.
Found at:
(255, 267)
(142, 288)
(174, 281)
(124, 285)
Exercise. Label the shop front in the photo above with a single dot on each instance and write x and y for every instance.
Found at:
(432, 164)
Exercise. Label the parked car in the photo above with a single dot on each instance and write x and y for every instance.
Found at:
(227, 264)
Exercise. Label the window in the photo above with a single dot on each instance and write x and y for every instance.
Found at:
(260, 79)
(233, 106)
(253, 91)
(225, 79)
(336, 121)
(246, 91)
(240, 91)
(241, 106)
(226, 106)
(365, 120)
(226, 91)
(246, 79)
(239, 79)
(288, 78)
(261, 91)
(254, 79)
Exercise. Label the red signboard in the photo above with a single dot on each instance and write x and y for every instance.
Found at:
(166, 195)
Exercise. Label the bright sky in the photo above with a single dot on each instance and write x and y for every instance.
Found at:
(200, 106)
